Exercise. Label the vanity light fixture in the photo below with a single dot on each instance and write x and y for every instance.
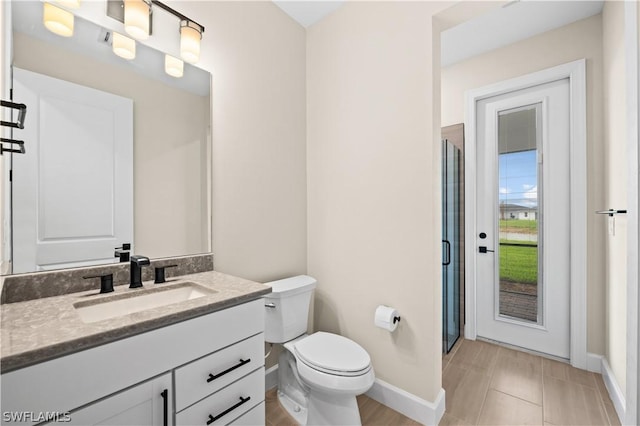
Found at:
(124, 46)
(57, 20)
(137, 18)
(173, 66)
(190, 36)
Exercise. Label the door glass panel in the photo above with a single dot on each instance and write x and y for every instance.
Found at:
(519, 219)
(451, 174)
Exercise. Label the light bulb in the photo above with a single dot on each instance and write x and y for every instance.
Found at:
(58, 21)
(173, 66)
(123, 46)
(136, 18)
(190, 35)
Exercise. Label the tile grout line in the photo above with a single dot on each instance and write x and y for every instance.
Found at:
(514, 396)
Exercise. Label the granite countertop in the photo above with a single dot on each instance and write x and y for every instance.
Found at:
(42, 329)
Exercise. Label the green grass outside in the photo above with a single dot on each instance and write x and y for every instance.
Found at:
(519, 263)
(520, 226)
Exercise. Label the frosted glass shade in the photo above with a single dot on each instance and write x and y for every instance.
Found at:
(173, 66)
(58, 21)
(190, 36)
(123, 46)
(136, 18)
(71, 4)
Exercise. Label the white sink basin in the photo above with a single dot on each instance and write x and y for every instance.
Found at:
(138, 301)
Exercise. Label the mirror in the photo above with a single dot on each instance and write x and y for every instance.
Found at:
(64, 191)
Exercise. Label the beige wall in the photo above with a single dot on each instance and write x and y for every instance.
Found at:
(170, 140)
(615, 160)
(256, 54)
(374, 185)
(582, 39)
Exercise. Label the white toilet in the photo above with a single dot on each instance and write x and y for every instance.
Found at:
(319, 375)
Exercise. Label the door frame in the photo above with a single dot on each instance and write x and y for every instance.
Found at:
(576, 72)
(628, 408)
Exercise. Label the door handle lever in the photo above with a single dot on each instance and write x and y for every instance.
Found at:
(448, 253)
(484, 249)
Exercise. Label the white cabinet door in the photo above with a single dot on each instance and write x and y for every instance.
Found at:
(149, 403)
(73, 188)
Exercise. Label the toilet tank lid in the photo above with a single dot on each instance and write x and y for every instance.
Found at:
(291, 286)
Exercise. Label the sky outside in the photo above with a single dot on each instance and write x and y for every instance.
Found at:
(518, 178)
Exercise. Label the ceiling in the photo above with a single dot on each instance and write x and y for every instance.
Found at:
(515, 21)
(307, 13)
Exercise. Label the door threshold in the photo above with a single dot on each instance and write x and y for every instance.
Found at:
(521, 349)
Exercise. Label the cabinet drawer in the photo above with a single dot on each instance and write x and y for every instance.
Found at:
(205, 376)
(255, 416)
(228, 404)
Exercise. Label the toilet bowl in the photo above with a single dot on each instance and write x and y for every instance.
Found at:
(319, 375)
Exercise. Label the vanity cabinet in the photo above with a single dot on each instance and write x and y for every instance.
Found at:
(212, 367)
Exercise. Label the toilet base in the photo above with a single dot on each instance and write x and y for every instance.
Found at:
(326, 409)
(292, 394)
(295, 410)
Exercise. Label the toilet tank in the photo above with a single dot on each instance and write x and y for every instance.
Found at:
(287, 308)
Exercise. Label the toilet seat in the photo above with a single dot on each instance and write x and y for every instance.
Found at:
(333, 354)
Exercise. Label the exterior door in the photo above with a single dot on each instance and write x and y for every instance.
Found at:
(523, 218)
(73, 189)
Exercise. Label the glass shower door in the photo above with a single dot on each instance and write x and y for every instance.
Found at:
(451, 176)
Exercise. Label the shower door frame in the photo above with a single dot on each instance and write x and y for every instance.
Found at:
(451, 197)
(454, 135)
(576, 73)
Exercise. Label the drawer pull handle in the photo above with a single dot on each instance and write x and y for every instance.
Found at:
(227, 411)
(242, 362)
(165, 408)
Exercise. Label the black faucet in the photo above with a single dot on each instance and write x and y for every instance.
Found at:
(124, 252)
(137, 262)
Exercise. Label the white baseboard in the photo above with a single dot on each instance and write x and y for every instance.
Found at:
(418, 409)
(615, 393)
(271, 378)
(594, 363)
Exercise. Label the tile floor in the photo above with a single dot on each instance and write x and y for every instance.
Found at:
(371, 413)
(487, 384)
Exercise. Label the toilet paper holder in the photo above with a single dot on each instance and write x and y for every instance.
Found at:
(386, 318)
